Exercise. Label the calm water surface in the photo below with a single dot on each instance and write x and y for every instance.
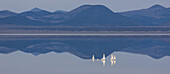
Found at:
(50, 55)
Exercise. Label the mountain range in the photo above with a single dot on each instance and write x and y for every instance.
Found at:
(89, 15)
(155, 15)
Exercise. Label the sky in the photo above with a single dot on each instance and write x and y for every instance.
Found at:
(67, 5)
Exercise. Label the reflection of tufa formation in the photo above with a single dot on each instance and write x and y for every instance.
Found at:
(103, 59)
(112, 59)
(93, 58)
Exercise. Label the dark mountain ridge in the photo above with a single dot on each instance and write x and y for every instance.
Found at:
(93, 15)
(36, 9)
(7, 13)
(35, 14)
(19, 20)
(97, 15)
(155, 15)
(156, 11)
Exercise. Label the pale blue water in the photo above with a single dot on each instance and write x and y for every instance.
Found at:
(72, 55)
(64, 63)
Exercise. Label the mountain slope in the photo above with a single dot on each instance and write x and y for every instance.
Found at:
(60, 11)
(154, 15)
(166, 23)
(36, 10)
(6, 13)
(35, 14)
(90, 15)
(19, 20)
(97, 15)
(156, 11)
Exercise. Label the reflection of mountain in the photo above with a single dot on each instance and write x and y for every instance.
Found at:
(85, 47)
(6, 50)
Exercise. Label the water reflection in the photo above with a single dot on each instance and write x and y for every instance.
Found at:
(84, 48)
(103, 60)
(93, 58)
(113, 59)
(52, 55)
(66, 63)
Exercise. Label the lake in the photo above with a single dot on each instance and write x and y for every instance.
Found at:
(73, 55)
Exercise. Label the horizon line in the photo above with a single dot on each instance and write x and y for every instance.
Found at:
(87, 34)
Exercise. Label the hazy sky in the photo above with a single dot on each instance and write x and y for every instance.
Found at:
(52, 5)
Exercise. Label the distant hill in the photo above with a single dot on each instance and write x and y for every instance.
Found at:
(36, 10)
(36, 14)
(90, 15)
(7, 13)
(56, 17)
(44, 16)
(155, 15)
(19, 20)
(155, 11)
(60, 11)
(97, 15)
